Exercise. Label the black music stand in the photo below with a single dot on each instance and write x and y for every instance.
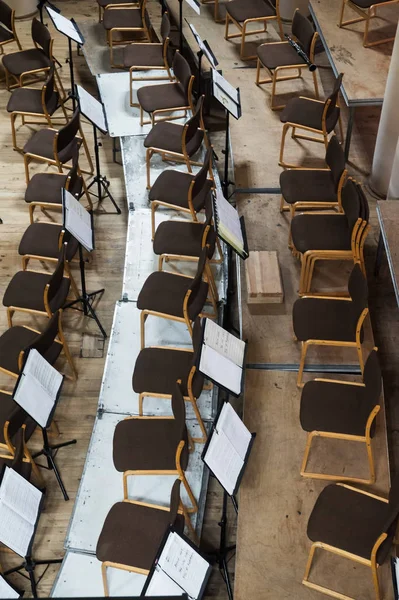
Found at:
(204, 50)
(94, 111)
(195, 5)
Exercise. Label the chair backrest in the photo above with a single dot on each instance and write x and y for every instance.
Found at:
(358, 291)
(43, 342)
(274, 4)
(351, 204)
(197, 343)
(6, 15)
(68, 132)
(165, 26)
(165, 35)
(16, 419)
(197, 281)
(73, 177)
(41, 37)
(48, 90)
(335, 159)
(365, 209)
(193, 124)
(57, 277)
(19, 454)
(390, 524)
(334, 95)
(174, 501)
(208, 230)
(201, 177)
(303, 30)
(182, 72)
(179, 411)
(372, 379)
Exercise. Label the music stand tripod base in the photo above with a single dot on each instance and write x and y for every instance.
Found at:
(29, 566)
(48, 452)
(100, 180)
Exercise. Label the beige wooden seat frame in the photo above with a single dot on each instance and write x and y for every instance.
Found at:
(365, 15)
(144, 29)
(101, 9)
(243, 33)
(14, 32)
(8, 449)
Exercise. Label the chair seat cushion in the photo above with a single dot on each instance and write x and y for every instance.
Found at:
(163, 96)
(168, 136)
(7, 407)
(26, 290)
(303, 111)
(172, 187)
(300, 185)
(147, 444)
(17, 338)
(241, 10)
(46, 187)
(182, 238)
(317, 319)
(5, 34)
(157, 370)
(131, 534)
(165, 292)
(334, 407)
(41, 239)
(347, 520)
(42, 144)
(123, 17)
(278, 55)
(25, 61)
(320, 232)
(143, 55)
(30, 101)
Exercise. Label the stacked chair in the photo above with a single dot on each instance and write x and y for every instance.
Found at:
(125, 18)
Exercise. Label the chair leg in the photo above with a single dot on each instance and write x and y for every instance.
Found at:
(143, 318)
(70, 360)
(374, 573)
(10, 313)
(104, 576)
(26, 165)
(360, 355)
(316, 85)
(371, 460)
(149, 154)
(160, 262)
(226, 30)
(141, 399)
(309, 564)
(154, 207)
(280, 27)
(189, 491)
(284, 133)
(306, 455)
(299, 381)
(200, 422)
(341, 14)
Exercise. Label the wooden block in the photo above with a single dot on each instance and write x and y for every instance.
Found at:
(263, 279)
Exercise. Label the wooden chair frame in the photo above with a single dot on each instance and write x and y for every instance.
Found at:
(365, 15)
(166, 111)
(243, 33)
(105, 565)
(323, 132)
(14, 32)
(164, 67)
(216, 13)
(372, 562)
(339, 343)
(57, 207)
(110, 32)
(366, 439)
(273, 79)
(101, 9)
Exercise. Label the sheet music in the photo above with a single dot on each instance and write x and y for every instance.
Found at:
(195, 5)
(202, 46)
(6, 590)
(38, 388)
(234, 429)
(396, 572)
(224, 461)
(222, 83)
(64, 25)
(162, 585)
(183, 564)
(220, 369)
(78, 221)
(92, 108)
(224, 342)
(228, 222)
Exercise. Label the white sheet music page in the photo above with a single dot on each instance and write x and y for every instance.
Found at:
(38, 388)
(234, 429)
(195, 5)
(202, 46)
(224, 461)
(183, 564)
(92, 108)
(222, 83)
(228, 222)
(162, 585)
(64, 25)
(78, 221)
(224, 342)
(6, 590)
(220, 369)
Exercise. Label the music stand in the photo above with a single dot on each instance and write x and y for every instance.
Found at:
(94, 111)
(69, 28)
(229, 438)
(79, 223)
(195, 5)
(204, 50)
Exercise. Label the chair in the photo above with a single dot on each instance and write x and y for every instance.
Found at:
(279, 57)
(102, 5)
(353, 524)
(166, 98)
(155, 446)
(133, 531)
(311, 115)
(16, 341)
(216, 14)
(332, 321)
(367, 9)
(342, 410)
(182, 191)
(149, 57)
(31, 102)
(12, 418)
(158, 368)
(175, 297)
(37, 293)
(121, 19)
(56, 147)
(306, 189)
(332, 236)
(245, 12)
(8, 32)
(175, 141)
(19, 458)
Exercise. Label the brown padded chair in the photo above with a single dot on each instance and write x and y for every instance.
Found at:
(158, 368)
(8, 33)
(16, 341)
(37, 293)
(332, 321)
(278, 57)
(155, 446)
(149, 57)
(12, 418)
(367, 9)
(168, 97)
(354, 524)
(132, 533)
(102, 4)
(124, 19)
(32, 102)
(176, 297)
(19, 457)
(176, 142)
(342, 410)
(312, 116)
(245, 12)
